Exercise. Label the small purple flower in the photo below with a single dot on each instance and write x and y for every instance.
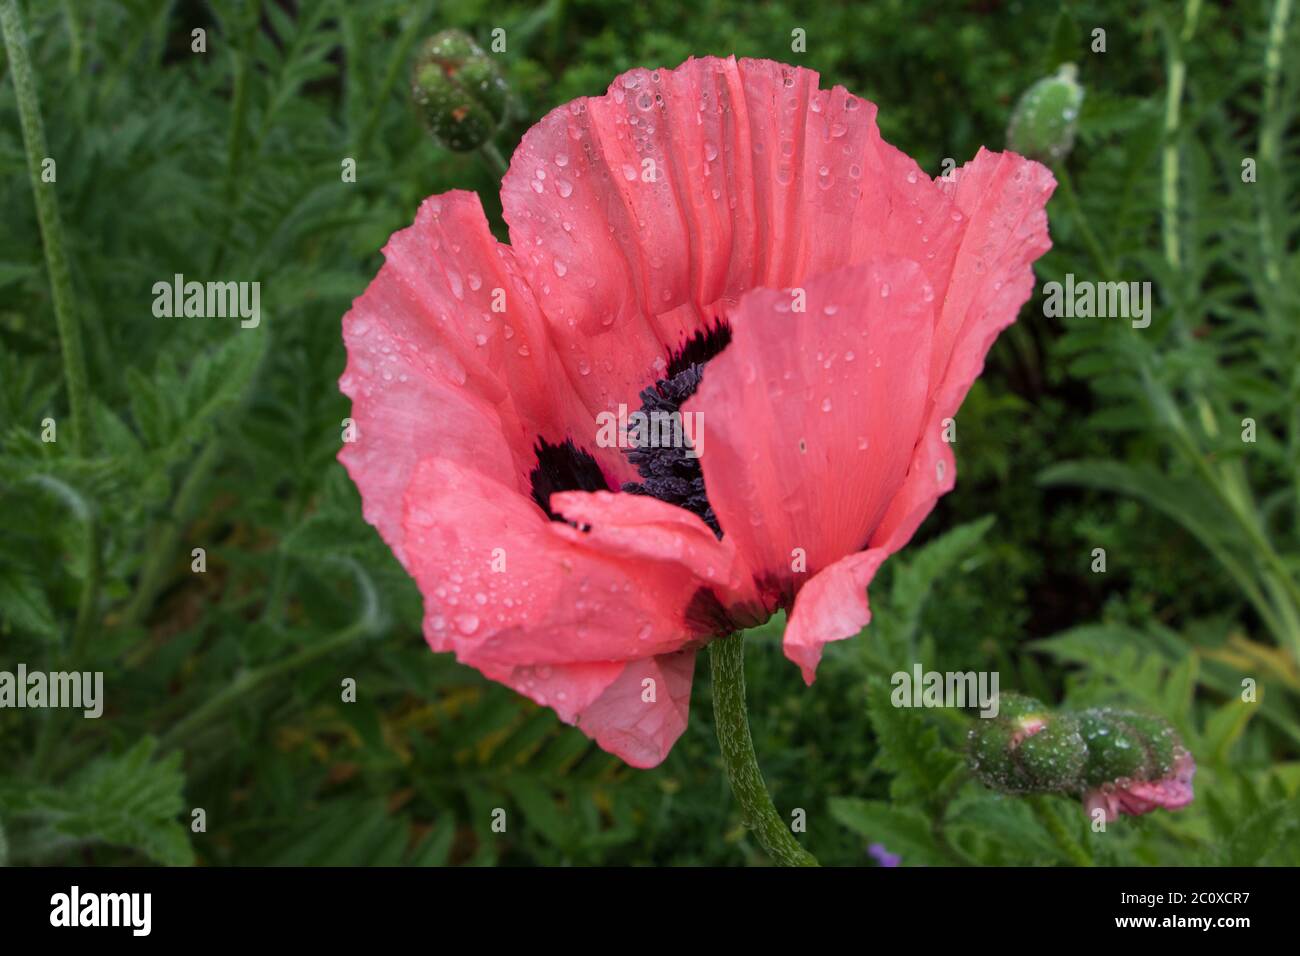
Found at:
(883, 856)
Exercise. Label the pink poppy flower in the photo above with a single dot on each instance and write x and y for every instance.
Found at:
(1136, 797)
(725, 239)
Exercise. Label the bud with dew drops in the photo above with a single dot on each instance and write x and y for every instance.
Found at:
(1027, 748)
(459, 91)
(1043, 124)
(1115, 760)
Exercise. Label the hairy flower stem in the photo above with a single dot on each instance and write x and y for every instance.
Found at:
(47, 213)
(727, 669)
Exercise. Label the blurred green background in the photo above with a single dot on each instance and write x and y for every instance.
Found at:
(223, 687)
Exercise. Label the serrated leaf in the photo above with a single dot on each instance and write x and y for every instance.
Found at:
(909, 747)
(900, 829)
(23, 604)
(130, 800)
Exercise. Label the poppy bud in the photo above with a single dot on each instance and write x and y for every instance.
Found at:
(459, 91)
(1027, 749)
(1043, 123)
(1136, 764)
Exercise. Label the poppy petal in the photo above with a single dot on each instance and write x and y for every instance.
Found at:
(642, 713)
(424, 336)
(640, 215)
(830, 607)
(810, 417)
(1001, 199)
(503, 586)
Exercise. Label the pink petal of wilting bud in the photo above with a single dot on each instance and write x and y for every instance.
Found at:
(1136, 797)
(1026, 727)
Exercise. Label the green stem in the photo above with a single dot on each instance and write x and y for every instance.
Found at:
(74, 38)
(47, 213)
(369, 621)
(1085, 228)
(73, 654)
(494, 159)
(249, 681)
(1173, 119)
(727, 667)
(161, 550)
(396, 63)
(1270, 139)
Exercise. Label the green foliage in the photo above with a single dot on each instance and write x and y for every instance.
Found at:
(223, 686)
(130, 800)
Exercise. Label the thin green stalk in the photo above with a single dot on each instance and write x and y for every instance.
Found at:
(495, 160)
(1085, 228)
(1228, 481)
(235, 136)
(73, 653)
(396, 63)
(1173, 119)
(249, 681)
(727, 667)
(368, 622)
(164, 543)
(1272, 119)
(47, 213)
(1271, 190)
(74, 38)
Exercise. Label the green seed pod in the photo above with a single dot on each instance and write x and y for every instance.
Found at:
(458, 90)
(1013, 706)
(1043, 123)
(1126, 746)
(1054, 757)
(1026, 749)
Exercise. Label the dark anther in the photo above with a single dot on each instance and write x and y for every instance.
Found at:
(667, 471)
(563, 467)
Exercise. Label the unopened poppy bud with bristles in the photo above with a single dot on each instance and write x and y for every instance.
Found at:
(1026, 748)
(458, 90)
(1043, 124)
(1136, 764)
(1114, 760)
